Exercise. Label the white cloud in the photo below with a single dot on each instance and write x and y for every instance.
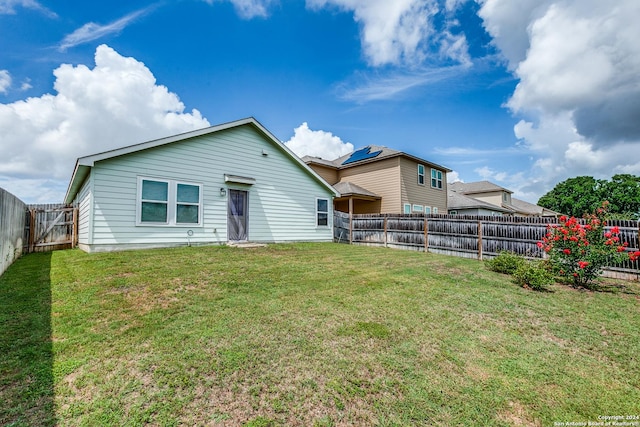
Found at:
(8, 7)
(5, 81)
(117, 103)
(92, 31)
(26, 85)
(318, 143)
(578, 65)
(400, 31)
(453, 176)
(248, 9)
(392, 85)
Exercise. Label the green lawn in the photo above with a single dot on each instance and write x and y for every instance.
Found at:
(306, 335)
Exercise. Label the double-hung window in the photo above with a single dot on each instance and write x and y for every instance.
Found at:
(421, 174)
(168, 202)
(187, 203)
(154, 201)
(436, 178)
(322, 212)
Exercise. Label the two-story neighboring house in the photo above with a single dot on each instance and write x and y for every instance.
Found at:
(487, 198)
(377, 179)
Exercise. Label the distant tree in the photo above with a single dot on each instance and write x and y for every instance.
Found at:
(584, 194)
(623, 193)
(575, 196)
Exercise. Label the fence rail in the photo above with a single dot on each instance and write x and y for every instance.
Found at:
(479, 237)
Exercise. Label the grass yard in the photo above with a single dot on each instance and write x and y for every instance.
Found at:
(306, 335)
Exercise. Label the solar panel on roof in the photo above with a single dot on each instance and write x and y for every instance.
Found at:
(362, 154)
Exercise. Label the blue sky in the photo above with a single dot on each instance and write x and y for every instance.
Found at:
(524, 94)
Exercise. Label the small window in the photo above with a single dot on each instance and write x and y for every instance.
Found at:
(421, 174)
(154, 201)
(407, 208)
(436, 179)
(188, 204)
(322, 212)
(427, 209)
(453, 212)
(418, 208)
(435, 210)
(505, 197)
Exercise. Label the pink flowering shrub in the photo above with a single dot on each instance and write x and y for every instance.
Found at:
(579, 252)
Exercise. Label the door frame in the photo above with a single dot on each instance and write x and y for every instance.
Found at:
(231, 217)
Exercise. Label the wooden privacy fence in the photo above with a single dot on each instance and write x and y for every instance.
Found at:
(477, 237)
(50, 227)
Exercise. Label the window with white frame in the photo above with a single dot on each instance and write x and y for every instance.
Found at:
(168, 202)
(436, 178)
(427, 209)
(421, 174)
(418, 208)
(322, 212)
(435, 209)
(407, 208)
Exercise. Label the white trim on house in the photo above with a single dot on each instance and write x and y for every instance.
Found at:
(235, 179)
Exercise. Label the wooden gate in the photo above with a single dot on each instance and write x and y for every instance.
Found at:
(50, 227)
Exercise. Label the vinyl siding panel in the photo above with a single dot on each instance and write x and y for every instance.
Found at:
(495, 198)
(282, 202)
(423, 195)
(382, 178)
(328, 174)
(83, 201)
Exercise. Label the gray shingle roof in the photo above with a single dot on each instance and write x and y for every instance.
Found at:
(385, 153)
(460, 201)
(351, 189)
(476, 187)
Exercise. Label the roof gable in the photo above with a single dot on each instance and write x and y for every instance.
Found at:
(459, 201)
(84, 164)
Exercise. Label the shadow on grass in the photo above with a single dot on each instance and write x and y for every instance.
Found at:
(26, 364)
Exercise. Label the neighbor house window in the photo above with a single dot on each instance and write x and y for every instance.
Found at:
(418, 208)
(435, 209)
(322, 212)
(421, 174)
(407, 208)
(427, 209)
(436, 178)
(168, 202)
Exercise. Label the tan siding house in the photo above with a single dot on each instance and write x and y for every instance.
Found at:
(377, 179)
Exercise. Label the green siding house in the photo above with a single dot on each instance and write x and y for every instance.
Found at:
(232, 182)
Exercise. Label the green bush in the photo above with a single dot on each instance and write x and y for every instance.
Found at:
(535, 275)
(506, 262)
